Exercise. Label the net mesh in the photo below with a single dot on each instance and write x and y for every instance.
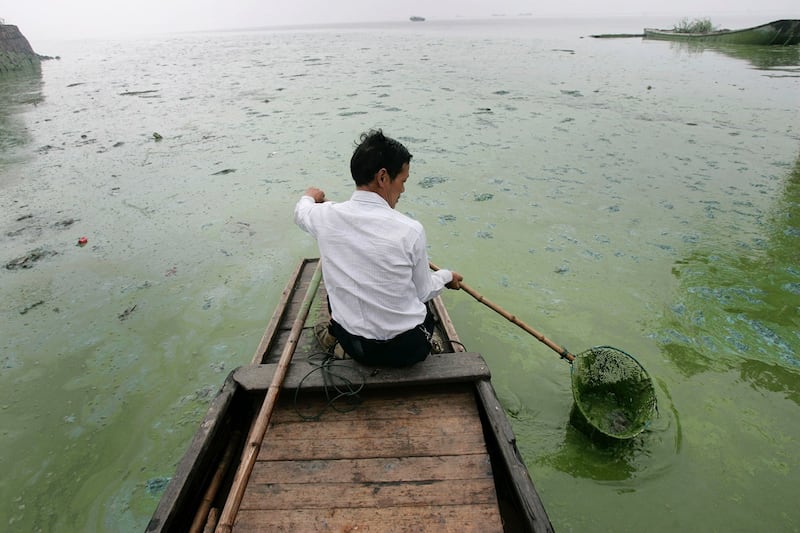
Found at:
(612, 391)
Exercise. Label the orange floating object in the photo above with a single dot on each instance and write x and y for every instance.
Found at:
(82, 241)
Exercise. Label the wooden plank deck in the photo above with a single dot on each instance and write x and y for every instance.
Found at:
(429, 448)
(412, 458)
(404, 460)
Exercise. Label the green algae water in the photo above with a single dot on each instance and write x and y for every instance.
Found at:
(622, 192)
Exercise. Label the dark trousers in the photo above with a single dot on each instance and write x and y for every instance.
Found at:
(405, 349)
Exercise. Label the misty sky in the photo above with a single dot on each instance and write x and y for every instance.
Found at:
(43, 20)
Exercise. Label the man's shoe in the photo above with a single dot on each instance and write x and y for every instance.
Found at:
(323, 335)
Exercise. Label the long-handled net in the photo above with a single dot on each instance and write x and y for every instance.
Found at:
(613, 392)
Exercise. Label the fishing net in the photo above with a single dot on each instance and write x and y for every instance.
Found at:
(612, 392)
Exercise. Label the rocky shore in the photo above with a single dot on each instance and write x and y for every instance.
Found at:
(16, 52)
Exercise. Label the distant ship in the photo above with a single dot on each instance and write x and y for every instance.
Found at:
(417, 19)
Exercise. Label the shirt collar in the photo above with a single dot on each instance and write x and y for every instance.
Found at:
(369, 197)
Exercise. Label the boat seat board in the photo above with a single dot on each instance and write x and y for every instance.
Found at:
(410, 458)
(437, 368)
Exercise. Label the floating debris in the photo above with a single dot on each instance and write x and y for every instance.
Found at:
(156, 485)
(157, 136)
(46, 148)
(138, 93)
(224, 171)
(429, 181)
(32, 306)
(127, 312)
(65, 223)
(28, 260)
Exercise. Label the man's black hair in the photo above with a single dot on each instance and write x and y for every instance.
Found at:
(374, 152)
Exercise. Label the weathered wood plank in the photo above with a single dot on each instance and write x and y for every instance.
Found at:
(383, 469)
(449, 519)
(270, 496)
(383, 409)
(405, 427)
(392, 454)
(438, 368)
(379, 404)
(446, 424)
(361, 446)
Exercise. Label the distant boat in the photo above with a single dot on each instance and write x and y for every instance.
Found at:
(416, 19)
(780, 32)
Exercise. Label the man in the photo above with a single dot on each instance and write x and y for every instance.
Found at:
(375, 259)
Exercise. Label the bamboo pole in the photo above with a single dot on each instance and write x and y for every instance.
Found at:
(563, 352)
(200, 519)
(212, 520)
(256, 436)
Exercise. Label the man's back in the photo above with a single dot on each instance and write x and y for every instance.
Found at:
(369, 252)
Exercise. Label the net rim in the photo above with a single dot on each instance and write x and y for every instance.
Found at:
(651, 408)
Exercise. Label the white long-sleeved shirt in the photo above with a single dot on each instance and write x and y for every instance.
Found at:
(375, 264)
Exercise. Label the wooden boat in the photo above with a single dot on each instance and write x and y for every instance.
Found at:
(428, 448)
(780, 32)
(416, 19)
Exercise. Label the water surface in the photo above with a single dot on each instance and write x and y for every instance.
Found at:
(625, 192)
